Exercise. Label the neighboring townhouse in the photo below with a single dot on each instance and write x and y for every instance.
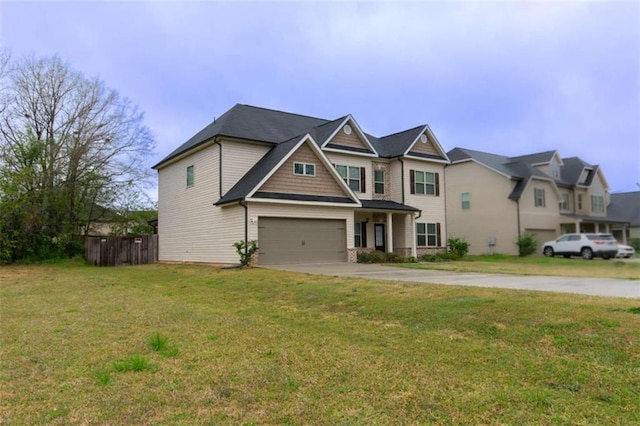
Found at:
(492, 199)
(309, 190)
(625, 207)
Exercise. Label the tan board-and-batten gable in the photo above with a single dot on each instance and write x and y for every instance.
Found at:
(284, 180)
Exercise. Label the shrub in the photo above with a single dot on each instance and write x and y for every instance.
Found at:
(458, 246)
(527, 245)
(380, 257)
(635, 243)
(440, 257)
(246, 251)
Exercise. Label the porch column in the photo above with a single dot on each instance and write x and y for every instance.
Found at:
(414, 251)
(624, 234)
(389, 232)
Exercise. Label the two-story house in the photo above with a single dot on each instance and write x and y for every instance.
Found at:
(492, 199)
(309, 190)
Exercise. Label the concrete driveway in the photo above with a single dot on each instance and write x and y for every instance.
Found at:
(609, 287)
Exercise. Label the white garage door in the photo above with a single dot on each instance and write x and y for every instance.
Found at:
(285, 240)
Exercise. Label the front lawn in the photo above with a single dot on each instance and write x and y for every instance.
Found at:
(185, 344)
(536, 265)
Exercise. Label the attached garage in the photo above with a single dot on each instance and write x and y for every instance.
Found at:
(287, 240)
(542, 236)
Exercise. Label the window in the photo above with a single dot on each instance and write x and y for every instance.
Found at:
(597, 204)
(428, 234)
(360, 234)
(304, 169)
(424, 183)
(579, 201)
(190, 176)
(564, 202)
(378, 181)
(555, 170)
(539, 197)
(466, 201)
(353, 177)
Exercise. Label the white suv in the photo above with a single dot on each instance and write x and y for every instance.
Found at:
(586, 245)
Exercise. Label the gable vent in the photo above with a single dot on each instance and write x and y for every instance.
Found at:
(347, 129)
(423, 138)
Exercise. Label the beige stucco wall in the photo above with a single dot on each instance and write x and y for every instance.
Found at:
(491, 213)
(540, 218)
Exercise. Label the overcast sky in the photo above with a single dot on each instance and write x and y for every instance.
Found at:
(509, 78)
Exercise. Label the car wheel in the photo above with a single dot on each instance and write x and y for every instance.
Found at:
(587, 253)
(548, 251)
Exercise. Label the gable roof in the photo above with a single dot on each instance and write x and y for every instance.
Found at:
(252, 123)
(522, 168)
(625, 206)
(276, 127)
(250, 183)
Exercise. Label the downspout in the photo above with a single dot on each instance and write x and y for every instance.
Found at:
(402, 178)
(246, 226)
(518, 214)
(216, 142)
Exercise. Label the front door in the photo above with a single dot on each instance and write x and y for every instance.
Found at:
(380, 237)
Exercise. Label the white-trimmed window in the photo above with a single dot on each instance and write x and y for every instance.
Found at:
(190, 176)
(564, 202)
(579, 201)
(353, 177)
(539, 197)
(378, 181)
(597, 204)
(428, 235)
(424, 183)
(466, 200)
(555, 170)
(304, 169)
(358, 231)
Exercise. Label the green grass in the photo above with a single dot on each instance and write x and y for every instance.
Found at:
(84, 345)
(536, 265)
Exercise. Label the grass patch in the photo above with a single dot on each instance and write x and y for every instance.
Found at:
(536, 265)
(270, 347)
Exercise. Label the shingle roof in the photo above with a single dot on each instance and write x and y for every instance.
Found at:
(572, 170)
(520, 168)
(537, 158)
(275, 127)
(625, 206)
(397, 144)
(252, 123)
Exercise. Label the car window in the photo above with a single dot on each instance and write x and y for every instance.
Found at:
(564, 238)
(574, 237)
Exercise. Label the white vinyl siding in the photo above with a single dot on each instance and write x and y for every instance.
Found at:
(189, 225)
(238, 158)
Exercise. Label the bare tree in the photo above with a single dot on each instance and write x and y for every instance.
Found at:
(67, 142)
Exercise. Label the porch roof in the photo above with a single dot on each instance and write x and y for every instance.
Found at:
(386, 205)
(595, 219)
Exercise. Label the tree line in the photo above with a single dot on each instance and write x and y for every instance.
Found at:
(70, 149)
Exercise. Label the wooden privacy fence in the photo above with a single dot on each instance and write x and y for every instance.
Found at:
(117, 251)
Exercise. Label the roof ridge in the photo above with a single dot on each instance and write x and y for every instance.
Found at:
(285, 112)
(403, 131)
